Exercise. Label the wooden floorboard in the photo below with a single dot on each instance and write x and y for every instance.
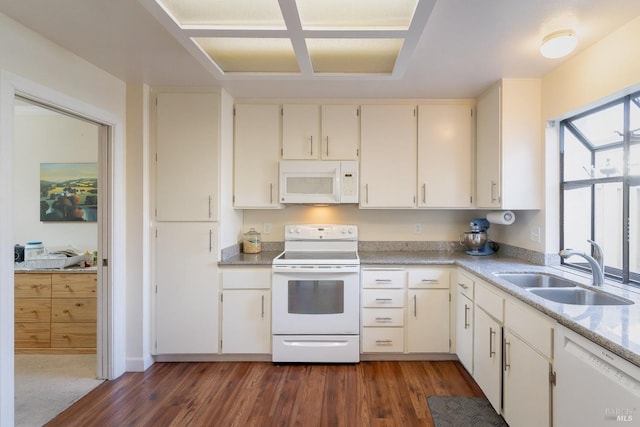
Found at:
(371, 393)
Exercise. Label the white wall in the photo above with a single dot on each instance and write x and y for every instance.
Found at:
(374, 224)
(43, 136)
(32, 64)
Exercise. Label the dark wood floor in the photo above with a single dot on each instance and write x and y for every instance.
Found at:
(380, 393)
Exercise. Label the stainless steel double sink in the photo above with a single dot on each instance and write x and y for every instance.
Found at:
(561, 290)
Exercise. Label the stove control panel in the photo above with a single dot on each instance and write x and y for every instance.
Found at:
(321, 232)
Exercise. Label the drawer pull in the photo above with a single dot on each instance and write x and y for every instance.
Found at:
(383, 319)
(384, 299)
(384, 342)
(466, 316)
(463, 286)
(429, 281)
(492, 352)
(383, 280)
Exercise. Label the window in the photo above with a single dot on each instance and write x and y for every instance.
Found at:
(600, 186)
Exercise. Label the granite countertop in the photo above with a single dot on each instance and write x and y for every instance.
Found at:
(614, 327)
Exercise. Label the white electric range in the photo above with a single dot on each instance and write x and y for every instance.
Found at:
(316, 295)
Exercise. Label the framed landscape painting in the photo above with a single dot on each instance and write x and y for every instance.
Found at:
(68, 192)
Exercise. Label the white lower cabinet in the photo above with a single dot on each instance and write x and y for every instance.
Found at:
(514, 371)
(527, 392)
(528, 357)
(186, 308)
(428, 310)
(246, 310)
(487, 356)
(487, 330)
(464, 320)
(383, 293)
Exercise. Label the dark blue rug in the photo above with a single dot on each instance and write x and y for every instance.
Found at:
(457, 411)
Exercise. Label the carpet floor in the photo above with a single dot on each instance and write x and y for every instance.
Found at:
(454, 411)
(46, 385)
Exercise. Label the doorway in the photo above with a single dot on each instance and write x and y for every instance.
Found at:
(57, 186)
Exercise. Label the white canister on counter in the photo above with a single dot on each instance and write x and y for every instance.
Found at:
(33, 250)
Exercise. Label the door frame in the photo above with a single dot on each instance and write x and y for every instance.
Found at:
(111, 240)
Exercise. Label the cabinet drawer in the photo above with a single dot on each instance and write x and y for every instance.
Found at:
(431, 278)
(32, 310)
(32, 285)
(32, 335)
(382, 298)
(382, 340)
(73, 335)
(382, 317)
(465, 285)
(489, 301)
(73, 310)
(533, 327)
(246, 278)
(72, 285)
(392, 278)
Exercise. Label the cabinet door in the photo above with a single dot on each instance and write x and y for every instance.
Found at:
(527, 391)
(256, 155)
(300, 131)
(428, 321)
(488, 141)
(340, 132)
(187, 288)
(187, 156)
(388, 156)
(246, 321)
(487, 367)
(464, 331)
(444, 155)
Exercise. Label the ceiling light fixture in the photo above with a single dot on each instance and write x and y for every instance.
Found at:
(558, 44)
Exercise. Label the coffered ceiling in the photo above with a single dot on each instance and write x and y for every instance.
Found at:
(425, 49)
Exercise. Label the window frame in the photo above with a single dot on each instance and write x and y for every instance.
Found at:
(627, 181)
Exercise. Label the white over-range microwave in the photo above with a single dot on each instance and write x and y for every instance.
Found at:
(318, 181)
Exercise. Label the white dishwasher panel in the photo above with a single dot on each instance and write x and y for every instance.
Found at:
(594, 387)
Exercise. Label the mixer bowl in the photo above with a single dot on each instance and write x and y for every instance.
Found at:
(473, 240)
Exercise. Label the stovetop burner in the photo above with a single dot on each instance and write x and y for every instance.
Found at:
(319, 244)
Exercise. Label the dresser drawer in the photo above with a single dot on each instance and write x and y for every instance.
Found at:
(28, 285)
(391, 278)
(429, 278)
(382, 340)
(464, 285)
(73, 335)
(32, 335)
(32, 310)
(383, 298)
(73, 310)
(73, 285)
(489, 301)
(382, 317)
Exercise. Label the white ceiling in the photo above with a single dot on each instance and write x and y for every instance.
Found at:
(465, 46)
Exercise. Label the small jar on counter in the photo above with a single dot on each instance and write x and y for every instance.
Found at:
(251, 243)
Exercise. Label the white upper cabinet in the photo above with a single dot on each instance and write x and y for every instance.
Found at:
(256, 155)
(328, 132)
(187, 156)
(300, 131)
(340, 132)
(509, 146)
(445, 143)
(388, 156)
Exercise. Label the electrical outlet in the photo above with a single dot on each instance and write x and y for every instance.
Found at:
(266, 228)
(417, 229)
(534, 234)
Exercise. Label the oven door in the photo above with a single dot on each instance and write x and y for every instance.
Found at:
(315, 300)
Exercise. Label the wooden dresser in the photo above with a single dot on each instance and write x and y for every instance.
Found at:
(55, 312)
